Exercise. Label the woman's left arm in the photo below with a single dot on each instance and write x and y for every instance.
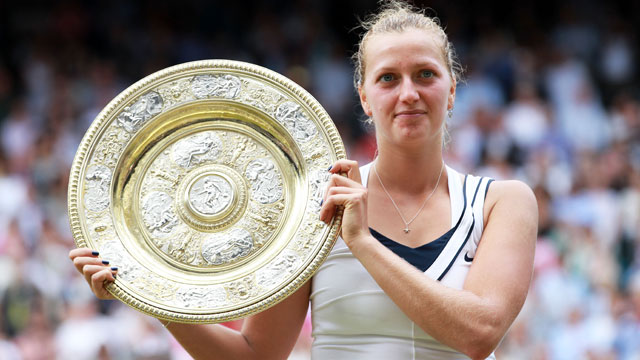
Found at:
(472, 320)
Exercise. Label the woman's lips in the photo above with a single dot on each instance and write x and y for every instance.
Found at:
(410, 113)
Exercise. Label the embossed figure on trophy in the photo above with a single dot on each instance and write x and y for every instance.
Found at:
(266, 221)
(189, 150)
(193, 296)
(163, 221)
(283, 265)
(318, 182)
(225, 248)
(98, 177)
(157, 286)
(166, 176)
(230, 86)
(97, 188)
(314, 227)
(158, 213)
(180, 248)
(227, 86)
(177, 88)
(241, 289)
(292, 117)
(241, 147)
(260, 97)
(109, 148)
(132, 118)
(198, 148)
(265, 181)
(211, 195)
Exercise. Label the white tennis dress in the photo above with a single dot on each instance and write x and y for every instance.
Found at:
(354, 319)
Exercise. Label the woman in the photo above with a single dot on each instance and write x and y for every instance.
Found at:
(422, 294)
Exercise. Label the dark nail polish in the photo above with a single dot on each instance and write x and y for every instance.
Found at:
(106, 262)
(114, 268)
(321, 202)
(95, 253)
(330, 167)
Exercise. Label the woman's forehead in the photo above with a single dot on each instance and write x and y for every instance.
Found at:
(420, 45)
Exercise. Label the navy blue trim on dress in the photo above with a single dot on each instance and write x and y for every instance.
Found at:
(459, 250)
(487, 189)
(422, 256)
(476, 192)
(473, 223)
(464, 206)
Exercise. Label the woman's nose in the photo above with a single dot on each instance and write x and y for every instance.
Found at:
(408, 91)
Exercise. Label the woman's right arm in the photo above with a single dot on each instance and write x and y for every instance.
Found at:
(270, 334)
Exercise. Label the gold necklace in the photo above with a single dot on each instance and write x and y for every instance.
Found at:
(406, 223)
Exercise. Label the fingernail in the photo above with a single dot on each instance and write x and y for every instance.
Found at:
(106, 262)
(330, 167)
(321, 202)
(95, 253)
(114, 268)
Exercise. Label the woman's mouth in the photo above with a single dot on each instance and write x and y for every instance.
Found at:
(410, 113)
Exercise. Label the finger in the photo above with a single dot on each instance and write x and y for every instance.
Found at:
(349, 167)
(81, 261)
(89, 270)
(346, 199)
(74, 253)
(333, 190)
(98, 280)
(328, 209)
(337, 180)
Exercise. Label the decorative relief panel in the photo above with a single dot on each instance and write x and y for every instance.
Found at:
(294, 119)
(227, 247)
(134, 116)
(98, 181)
(261, 97)
(158, 213)
(265, 179)
(196, 149)
(279, 269)
(224, 86)
(176, 92)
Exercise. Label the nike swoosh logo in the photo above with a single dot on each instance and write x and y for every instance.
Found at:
(467, 258)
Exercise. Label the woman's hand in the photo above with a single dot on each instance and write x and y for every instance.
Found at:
(349, 193)
(95, 270)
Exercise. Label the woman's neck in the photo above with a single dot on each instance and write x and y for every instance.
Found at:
(409, 171)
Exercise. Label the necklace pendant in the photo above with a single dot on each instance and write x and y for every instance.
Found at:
(406, 230)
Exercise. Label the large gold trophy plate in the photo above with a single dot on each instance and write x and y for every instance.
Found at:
(202, 183)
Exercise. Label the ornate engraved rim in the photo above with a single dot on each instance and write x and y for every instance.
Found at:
(105, 117)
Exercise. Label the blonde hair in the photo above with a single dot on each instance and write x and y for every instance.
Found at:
(398, 16)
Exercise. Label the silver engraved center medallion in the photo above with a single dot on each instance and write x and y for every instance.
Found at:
(210, 195)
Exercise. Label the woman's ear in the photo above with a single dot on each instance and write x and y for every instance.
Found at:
(363, 101)
(452, 95)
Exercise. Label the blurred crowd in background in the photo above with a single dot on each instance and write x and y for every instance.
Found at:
(551, 97)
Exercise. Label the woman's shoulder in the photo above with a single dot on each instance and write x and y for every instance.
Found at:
(510, 189)
(511, 194)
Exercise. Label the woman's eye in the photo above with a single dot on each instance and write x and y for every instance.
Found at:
(427, 74)
(386, 78)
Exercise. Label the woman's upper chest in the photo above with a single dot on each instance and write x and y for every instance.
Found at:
(425, 225)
